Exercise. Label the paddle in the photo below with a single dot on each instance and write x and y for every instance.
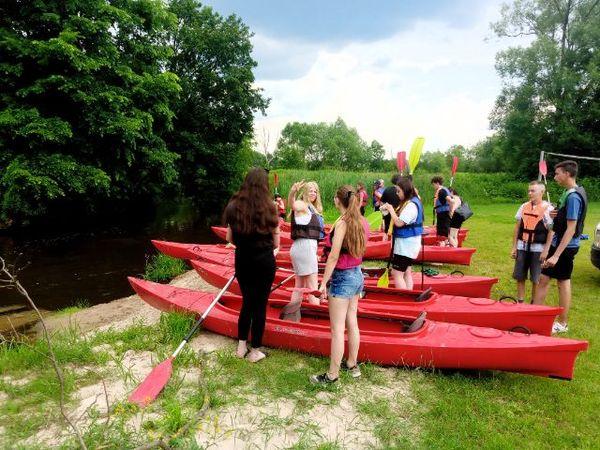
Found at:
(384, 279)
(276, 181)
(401, 162)
(156, 380)
(415, 153)
(544, 170)
(154, 383)
(454, 167)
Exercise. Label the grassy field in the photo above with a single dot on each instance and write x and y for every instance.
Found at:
(389, 408)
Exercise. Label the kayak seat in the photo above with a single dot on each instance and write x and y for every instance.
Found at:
(425, 295)
(418, 323)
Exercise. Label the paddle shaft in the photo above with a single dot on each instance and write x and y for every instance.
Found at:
(203, 316)
(211, 306)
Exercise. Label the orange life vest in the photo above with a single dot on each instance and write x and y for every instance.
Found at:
(532, 229)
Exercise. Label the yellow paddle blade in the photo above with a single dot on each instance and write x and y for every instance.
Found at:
(384, 279)
(374, 220)
(415, 153)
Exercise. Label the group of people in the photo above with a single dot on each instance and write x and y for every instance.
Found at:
(253, 225)
(546, 240)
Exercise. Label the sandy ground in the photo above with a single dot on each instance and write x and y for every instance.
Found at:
(258, 423)
(120, 313)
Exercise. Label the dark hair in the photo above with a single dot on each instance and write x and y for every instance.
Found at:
(437, 179)
(251, 209)
(569, 166)
(453, 191)
(407, 188)
(395, 178)
(354, 240)
(277, 195)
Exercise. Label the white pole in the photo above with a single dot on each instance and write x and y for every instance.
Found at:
(541, 159)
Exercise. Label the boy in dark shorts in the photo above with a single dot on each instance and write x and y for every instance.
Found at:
(529, 238)
(563, 242)
(441, 206)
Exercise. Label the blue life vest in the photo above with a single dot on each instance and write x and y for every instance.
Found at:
(439, 207)
(412, 229)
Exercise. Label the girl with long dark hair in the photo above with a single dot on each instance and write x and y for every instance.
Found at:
(253, 226)
(345, 246)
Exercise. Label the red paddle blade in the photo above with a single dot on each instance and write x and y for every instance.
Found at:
(543, 167)
(401, 161)
(147, 392)
(454, 164)
(275, 180)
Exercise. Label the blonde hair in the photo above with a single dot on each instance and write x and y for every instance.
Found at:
(355, 239)
(317, 203)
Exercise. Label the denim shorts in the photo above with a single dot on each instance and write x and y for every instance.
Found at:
(346, 283)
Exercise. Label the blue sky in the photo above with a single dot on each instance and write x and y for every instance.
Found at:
(392, 69)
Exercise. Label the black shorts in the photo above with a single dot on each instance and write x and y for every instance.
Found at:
(456, 221)
(564, 266)
(401, 262)
(442, 223)
(527, 263)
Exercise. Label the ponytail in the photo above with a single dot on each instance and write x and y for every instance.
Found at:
(354, 240)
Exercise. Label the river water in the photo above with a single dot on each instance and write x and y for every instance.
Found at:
(69, 268)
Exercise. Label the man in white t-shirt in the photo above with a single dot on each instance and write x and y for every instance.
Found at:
(531, 230)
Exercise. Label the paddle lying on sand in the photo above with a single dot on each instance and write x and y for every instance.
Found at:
(454, 167)
(544, 171)
(155, 382)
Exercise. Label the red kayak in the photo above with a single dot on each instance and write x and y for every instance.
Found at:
(431, 238)
(468, 285)
(381, 250)
(387, 339)
(481, 312)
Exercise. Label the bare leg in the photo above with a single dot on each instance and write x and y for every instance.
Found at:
(353, 332)
(542, 290)
(521, 289)
(564, 299)
(533, 289)
(338, 309)
(453, 237)
(398, 276)
(297, 296)
(408, 279)
(312, 281)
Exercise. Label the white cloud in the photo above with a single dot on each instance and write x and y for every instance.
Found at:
(431, 80)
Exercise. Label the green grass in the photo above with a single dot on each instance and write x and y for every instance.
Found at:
(161, 268)
(503, 410)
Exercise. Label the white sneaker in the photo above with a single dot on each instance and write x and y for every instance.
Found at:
(559, 328)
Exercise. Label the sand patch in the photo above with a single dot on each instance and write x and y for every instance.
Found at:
(122, 313)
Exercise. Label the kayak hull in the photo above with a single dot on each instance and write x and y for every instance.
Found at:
(467, 285)
(382, 249)
(482, 312)
(384, 341)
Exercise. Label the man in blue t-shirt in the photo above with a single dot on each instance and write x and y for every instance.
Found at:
(563, 241)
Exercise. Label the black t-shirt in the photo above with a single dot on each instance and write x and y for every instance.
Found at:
(390, 195)
(252, 241)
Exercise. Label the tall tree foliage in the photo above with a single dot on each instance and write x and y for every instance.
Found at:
(212, 57)
(321, 145)
(551, 95)
(103, 103)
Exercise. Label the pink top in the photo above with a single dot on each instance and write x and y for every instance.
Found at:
(346, 260)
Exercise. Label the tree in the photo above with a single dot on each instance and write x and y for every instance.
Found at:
(433, 162)
(84, 104)
(322, 145)
(213, 117)
(551, 95)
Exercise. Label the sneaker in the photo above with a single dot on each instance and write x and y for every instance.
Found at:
(353, 371)
(322, 379)
(559, 328)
